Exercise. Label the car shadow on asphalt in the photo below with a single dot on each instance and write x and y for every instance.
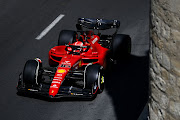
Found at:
(127, 85)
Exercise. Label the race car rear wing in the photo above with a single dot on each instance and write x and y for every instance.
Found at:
(99, 24)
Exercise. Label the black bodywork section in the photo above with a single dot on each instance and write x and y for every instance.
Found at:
(99, 24)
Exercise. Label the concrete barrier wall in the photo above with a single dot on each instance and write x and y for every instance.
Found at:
(165, 60)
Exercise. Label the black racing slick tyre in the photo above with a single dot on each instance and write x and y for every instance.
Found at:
(30, 72)
(94, 78)
(66, 36)
(121, 46)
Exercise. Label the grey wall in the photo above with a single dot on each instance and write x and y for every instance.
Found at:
(165, 60)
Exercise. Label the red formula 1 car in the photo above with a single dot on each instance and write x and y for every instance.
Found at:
(77, 63)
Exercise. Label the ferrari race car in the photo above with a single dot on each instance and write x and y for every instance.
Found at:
(77, 63)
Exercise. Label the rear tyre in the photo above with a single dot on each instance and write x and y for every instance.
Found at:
(30, 72)
(94, 78)
(121, 47)
(66, 36)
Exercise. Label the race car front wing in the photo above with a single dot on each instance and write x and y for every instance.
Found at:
(43, 90)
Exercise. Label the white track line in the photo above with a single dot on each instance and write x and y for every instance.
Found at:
(48, 28)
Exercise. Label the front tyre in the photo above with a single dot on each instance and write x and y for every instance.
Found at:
(94, 78)
(30, 72)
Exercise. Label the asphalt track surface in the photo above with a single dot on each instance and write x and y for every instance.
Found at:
(21, 21)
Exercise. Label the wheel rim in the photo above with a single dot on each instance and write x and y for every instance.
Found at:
(94, 87)
(36, 73)
(99, 80)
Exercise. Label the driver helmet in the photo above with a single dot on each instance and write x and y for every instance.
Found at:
(78, 43)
